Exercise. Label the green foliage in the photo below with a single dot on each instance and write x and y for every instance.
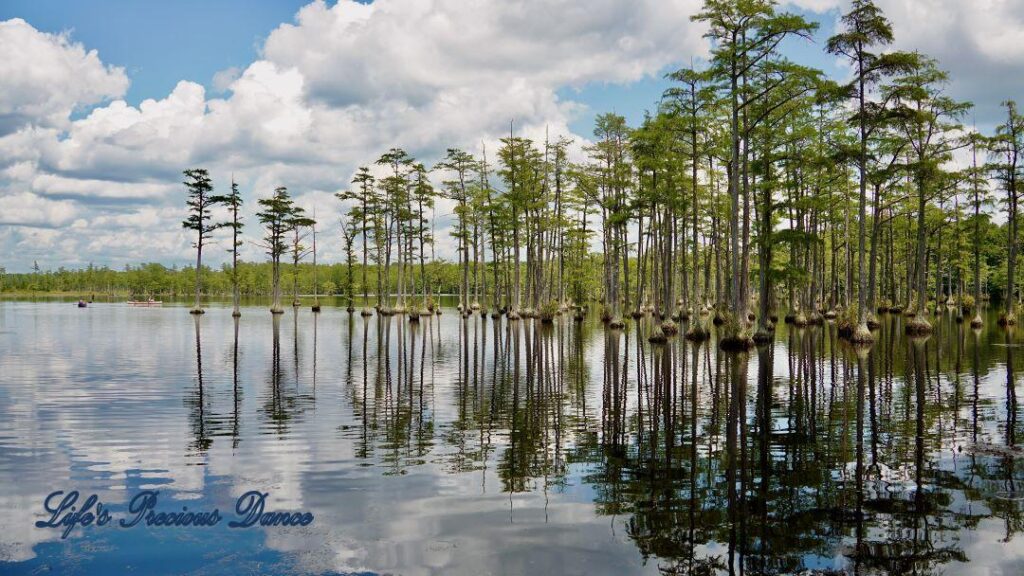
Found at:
(548, 310)
(200, 202)
(254, 279)
(276, 216)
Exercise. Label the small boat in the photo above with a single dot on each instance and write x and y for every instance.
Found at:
(82, 304)
(149, 302)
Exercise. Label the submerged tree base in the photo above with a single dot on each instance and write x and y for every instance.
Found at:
(669, 327)
(197, 311)
(697, 332)
(366, 312)
(845, 327)
(977, 322)
(764, 334)
(862, 335)
(736, 343)
(616, 324)
(1007, 319)
(547, 312)
(919, 326)
(236, 314)
(277, 310)
(735, 333)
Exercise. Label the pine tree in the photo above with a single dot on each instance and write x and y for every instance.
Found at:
(200, 202)
(234, 204)
(276, 217)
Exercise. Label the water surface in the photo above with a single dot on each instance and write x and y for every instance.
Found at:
(478, 447)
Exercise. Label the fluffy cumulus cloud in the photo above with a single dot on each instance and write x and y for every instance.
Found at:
(977, 42)
(46, 76)
(31, 209)
(85, 176)
(422, 51)
(331, 91)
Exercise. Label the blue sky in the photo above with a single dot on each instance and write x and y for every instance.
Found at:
(158, 42)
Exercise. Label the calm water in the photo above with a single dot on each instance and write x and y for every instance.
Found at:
(476, 447)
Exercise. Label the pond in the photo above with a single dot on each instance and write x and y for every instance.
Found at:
(478, 446)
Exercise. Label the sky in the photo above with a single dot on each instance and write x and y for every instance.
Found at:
(103, 104)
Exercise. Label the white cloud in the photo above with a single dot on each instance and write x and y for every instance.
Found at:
(332, 91)
(993, 29)
(977, 43)
(815, 5)
(31, 209)
(90, 189)
(119, 142)
(46, 76)
(223, 79)
(409, 49)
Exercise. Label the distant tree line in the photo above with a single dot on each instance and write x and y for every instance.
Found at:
(254, 280)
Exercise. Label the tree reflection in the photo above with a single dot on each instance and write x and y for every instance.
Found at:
(275, 406)
(392, 399)
(829, 458)
(198, 402)
(285, 400)
(236, 392)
